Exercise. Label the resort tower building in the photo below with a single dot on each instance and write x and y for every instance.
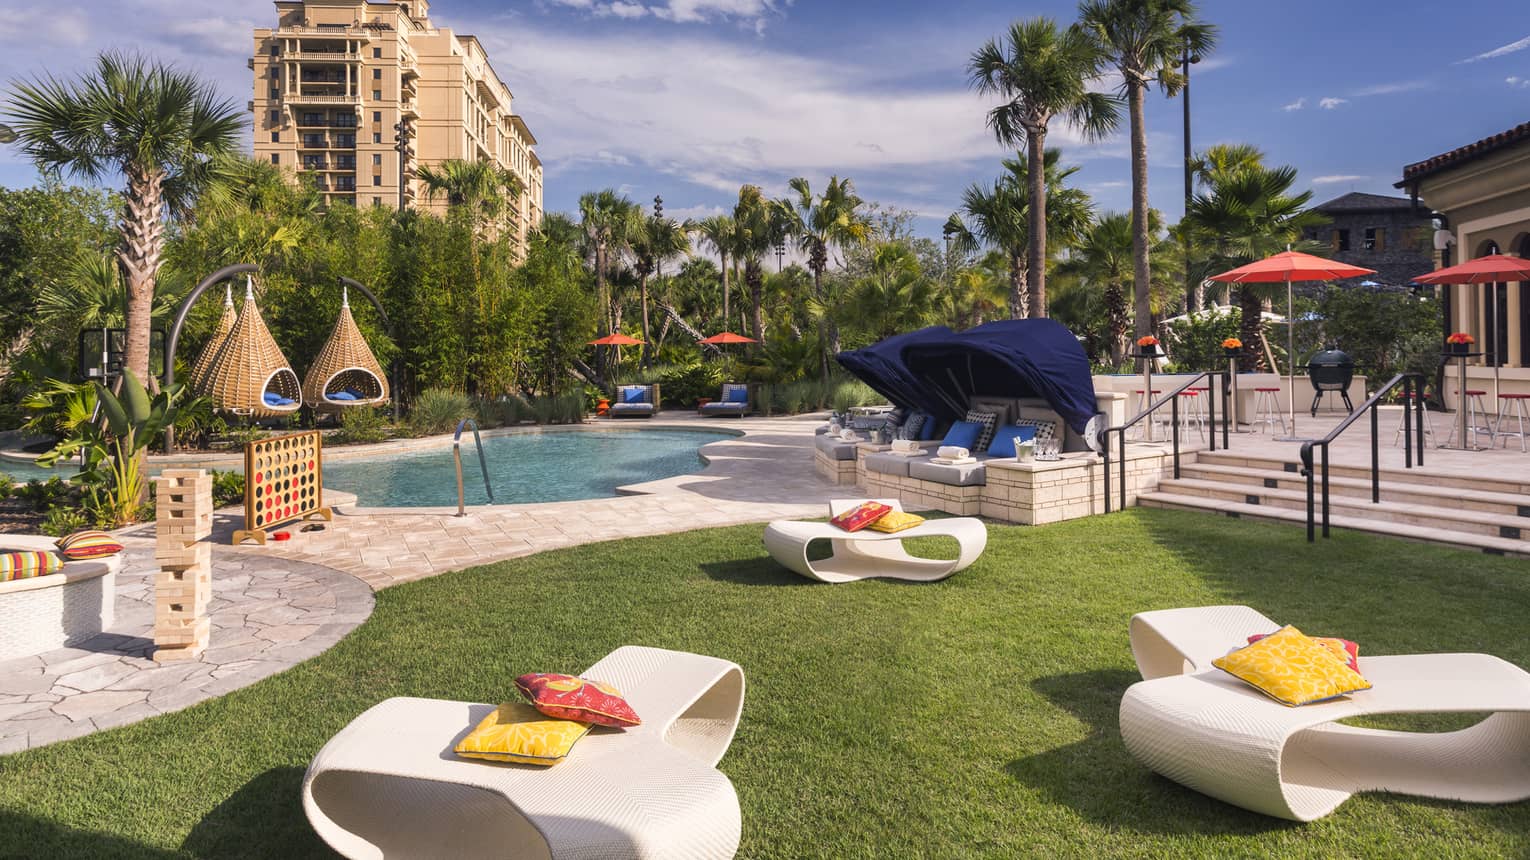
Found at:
(336, 80)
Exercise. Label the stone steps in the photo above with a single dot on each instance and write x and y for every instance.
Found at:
(1506, 504)
(1426, 475)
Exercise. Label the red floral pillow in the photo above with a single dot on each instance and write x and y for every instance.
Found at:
(1345, 650)
(861, 516)
(570, 698)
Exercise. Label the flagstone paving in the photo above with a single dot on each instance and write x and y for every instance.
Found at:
(277, 605)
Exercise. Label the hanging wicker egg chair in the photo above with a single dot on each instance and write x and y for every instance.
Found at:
(209, 352)
(250, 376)
(346, 373)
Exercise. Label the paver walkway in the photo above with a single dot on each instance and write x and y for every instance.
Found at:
(267, 614)
(277, 605)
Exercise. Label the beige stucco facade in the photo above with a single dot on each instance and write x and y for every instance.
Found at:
(334, 79)
(1486, 198)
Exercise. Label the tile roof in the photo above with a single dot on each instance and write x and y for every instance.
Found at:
(1358, 201)
(1460, 155)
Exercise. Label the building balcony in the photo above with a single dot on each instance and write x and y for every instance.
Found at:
(409, 107)
(322, 99)
(324, 56)
(342, 32)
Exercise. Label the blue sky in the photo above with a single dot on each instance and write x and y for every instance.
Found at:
(690, 98)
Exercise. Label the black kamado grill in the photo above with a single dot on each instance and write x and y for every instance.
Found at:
(1331, 370)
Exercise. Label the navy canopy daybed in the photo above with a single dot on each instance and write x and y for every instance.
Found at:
(939, 371)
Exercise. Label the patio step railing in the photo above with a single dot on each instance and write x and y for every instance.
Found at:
(1172, 400)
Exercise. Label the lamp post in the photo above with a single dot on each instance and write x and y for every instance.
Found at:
(780, 255)
(1188, 59)
(403, 133)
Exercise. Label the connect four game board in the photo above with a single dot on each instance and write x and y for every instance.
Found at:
(283, 482)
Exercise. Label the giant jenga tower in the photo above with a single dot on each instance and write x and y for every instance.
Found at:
(184, 582)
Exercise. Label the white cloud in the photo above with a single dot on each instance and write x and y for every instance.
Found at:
(1390, 88)
(1296, 105)
(1330, 103)
(753, 13)
(1517, 82)
(1512, 47)
(626, 10)
(1337, 178)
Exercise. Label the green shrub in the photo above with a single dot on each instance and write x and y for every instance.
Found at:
(7, 486)
(43, 495)
(507, 410)
(683, 386)
(63, 520)
(361, 425)
(1195, 343)
(228, 488)
(245, 433)
(437, 410)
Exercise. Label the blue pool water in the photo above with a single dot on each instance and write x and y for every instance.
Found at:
(529, 467)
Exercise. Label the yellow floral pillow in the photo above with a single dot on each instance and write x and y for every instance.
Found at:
(518, 733)
(1292, 669)
(894, 522)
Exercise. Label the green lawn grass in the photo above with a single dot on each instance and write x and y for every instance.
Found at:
(972, 717)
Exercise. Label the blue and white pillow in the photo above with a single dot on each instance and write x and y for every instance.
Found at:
(1045, 430)
(988, 422)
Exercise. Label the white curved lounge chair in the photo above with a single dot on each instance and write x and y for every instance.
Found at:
(1215, 734)
(389, 784)
(867, 554)
(1207, 730)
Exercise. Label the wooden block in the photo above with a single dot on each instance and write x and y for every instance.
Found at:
(180, 653)
(182, 555)
(190, 634)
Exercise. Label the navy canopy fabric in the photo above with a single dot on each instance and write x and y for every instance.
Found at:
(940, 371)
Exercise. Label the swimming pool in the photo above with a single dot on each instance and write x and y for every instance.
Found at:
(524, 467)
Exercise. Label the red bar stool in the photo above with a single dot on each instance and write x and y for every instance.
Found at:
(1476, 410)
(1512, 406)
(1141, 402)
(1428, 423)
(1192, 410)
(1267, 409)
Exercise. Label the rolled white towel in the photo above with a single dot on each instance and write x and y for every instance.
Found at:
(848, 435)
(905, 446)
(834, 428)
(953, 461)
(952, 452)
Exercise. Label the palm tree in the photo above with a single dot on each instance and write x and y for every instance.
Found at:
(1244, 216)
(1103, 261)
(1000, 219)
(656, 241)
(1222, 159)
(979, 290)
(482, 187)
(832, 219)
(160, 128)
(1144, 40)
(721, 233)
(1042, 74)
(895, 296)
(609, 220)
(757, 228)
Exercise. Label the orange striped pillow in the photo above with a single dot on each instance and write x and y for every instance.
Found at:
(25, 565)
(88, 544)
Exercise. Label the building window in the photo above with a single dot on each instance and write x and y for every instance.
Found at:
(377, 158)
(1375, 239)
(377, 74)
(274, 50)
(376, 53)
(345, 183)
(376, 116)
(275, 93)
(276, 137)
(314, 141)
(376, 201)
(1339, 240)
(276, 116)
(377, 95)
(275, 73)
(345, 140)
(276, 158)
(376, 137)
(377, 180)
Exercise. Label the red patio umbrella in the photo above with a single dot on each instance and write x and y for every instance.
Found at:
(1291, 266)
(615, 338)
(728, 337)
(1484, 270)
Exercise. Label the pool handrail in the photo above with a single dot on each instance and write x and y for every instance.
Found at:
(457, 458)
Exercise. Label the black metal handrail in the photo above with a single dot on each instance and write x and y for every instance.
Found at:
(1172, 399)
(1413, 398)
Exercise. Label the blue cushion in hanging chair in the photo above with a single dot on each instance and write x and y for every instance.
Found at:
(273, 399)
(345, 395)
(355, 394)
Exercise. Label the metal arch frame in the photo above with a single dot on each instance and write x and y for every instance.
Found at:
(172, 340)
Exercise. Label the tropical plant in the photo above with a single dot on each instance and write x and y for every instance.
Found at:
(361, 425)
(58, 408)
(481, 187)
(757, 227)
(115, 494)
(1103, 262)
(1245, 216)
(721, 234)
(656, 241)
(979, 291)
(1145, 41)
(819, 224)
(159, 127)
(896, 297)
(609, 221)
(437, 410)
(62, 520)
(1042, 73)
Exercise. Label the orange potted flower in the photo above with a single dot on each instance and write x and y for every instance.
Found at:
(1460, 342)
(1148, 344)
(1232, 346)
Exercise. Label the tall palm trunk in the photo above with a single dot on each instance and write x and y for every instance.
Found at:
(725, 289)
(1018, 298)
(1115, 313)
(1141, 276)
(831, 331)
(754, 276)
(143, 241)
(1036, 254)
(643, 298)
(1251, 328)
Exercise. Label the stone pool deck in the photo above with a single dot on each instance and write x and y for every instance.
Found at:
(278, 605)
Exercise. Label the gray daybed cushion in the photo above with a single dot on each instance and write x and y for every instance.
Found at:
(632, 409)
(889, 464)
(969, 475)
(835, 448)
(725, 408)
